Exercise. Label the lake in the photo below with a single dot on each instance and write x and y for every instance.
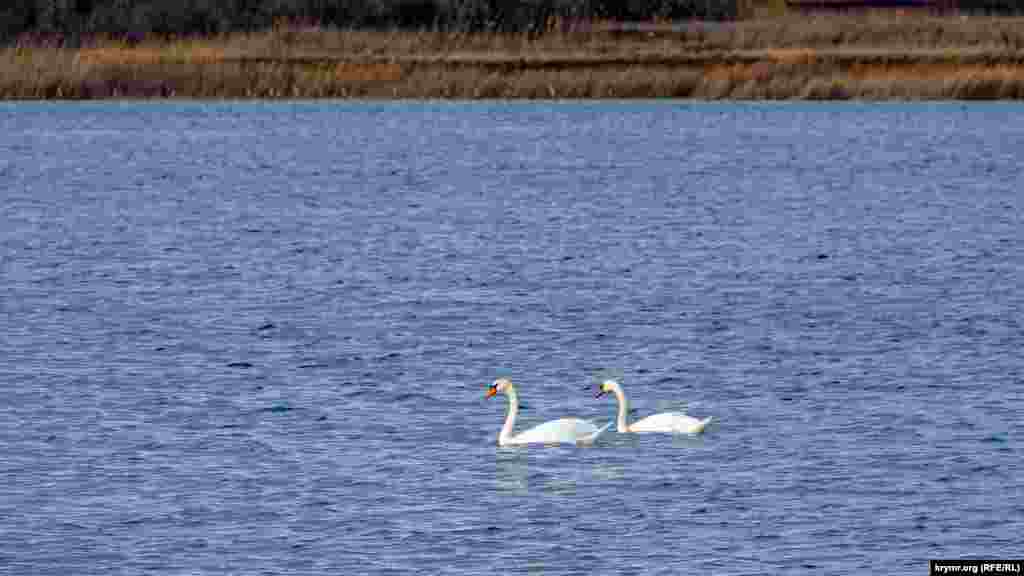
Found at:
(255, 338)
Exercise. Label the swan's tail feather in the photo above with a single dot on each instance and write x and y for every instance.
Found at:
(703, 424)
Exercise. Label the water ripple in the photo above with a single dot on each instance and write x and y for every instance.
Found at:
(248, 338)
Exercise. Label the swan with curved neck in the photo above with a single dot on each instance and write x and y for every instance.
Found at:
(562, 431)
(674, 422)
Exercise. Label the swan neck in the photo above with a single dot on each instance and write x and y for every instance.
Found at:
(510, 419)
(623, 410)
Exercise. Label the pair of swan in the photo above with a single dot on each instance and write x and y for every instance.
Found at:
(582, 432)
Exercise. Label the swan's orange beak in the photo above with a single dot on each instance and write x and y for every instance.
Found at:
(491, 391)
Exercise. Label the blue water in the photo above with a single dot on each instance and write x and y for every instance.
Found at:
(249, 338)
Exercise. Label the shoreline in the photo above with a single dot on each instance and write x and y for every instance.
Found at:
(834, 58)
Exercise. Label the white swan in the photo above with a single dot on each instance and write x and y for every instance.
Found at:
(564, 430)
(664, 422)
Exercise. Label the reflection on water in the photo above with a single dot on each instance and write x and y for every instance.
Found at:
(512, 465)
(255, 340)
(609, 471)
(562, 486)
(536, 567)
(690, 440)
(562, 470)
(510, 471)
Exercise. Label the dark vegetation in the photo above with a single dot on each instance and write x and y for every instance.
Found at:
(69, 20)
(992, 7)
(72, 19)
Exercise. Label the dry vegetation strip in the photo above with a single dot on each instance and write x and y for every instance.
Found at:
(828, 58)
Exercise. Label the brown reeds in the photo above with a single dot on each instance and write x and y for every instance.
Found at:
(837, 57)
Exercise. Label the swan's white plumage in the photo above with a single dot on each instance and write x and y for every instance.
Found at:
(673, 422)
(670, 422)
(561, 431)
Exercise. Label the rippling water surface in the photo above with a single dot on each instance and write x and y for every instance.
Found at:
(255, 338)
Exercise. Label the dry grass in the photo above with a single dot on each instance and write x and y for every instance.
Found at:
(822, 58)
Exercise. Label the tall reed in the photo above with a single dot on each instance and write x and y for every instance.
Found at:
(827, 58)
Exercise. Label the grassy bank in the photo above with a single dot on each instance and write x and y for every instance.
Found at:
(821, 58)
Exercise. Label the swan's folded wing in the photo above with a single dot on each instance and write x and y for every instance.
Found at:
(664, 422)
(670, 422)
(563, 430)
(691, 425)
(591, 438)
